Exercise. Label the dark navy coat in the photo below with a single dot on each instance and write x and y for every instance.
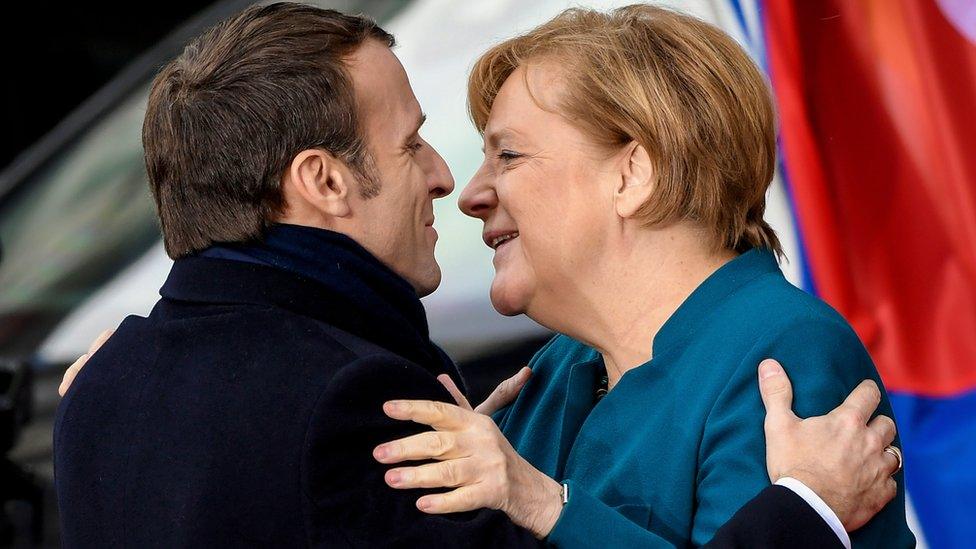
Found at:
(244, 411)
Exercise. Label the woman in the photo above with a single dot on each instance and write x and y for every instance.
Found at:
(627, 158)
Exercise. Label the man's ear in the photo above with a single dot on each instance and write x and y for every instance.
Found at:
(636, 181)
(321, 181)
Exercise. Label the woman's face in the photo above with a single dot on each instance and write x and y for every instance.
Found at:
(545, 195)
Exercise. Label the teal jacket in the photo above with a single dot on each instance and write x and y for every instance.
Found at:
(677, 445)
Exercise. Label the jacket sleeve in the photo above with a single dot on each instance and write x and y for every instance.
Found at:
(348, 502)
(776, 518)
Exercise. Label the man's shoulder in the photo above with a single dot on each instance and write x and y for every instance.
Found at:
(262, 330)
(236, 348)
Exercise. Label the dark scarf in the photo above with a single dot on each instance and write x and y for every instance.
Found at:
(379, 305)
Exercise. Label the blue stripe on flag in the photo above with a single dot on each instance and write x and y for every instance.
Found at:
(741, 17)
(806, 275)
(939, 438)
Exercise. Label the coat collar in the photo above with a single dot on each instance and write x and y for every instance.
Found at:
(360, 296)
(680, 327)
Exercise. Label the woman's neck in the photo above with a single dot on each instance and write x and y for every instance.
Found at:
(638, 288)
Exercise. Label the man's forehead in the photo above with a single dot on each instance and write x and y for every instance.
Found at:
(382, 88)
(375, 72)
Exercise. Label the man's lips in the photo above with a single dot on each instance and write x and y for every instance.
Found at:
(494, 239)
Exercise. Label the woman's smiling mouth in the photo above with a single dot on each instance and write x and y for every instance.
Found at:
(495, 239)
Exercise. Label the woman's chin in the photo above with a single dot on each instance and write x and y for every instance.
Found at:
(507, 300)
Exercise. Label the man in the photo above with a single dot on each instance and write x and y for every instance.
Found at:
(295, 194)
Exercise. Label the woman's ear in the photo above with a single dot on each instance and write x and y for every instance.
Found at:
(636, 181)
(320, 181)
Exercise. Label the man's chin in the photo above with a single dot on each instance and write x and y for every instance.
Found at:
(426, 284)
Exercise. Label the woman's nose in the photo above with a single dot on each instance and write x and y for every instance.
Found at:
(478, 197)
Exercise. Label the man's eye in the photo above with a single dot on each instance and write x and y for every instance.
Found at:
(414, 147)
(508, 156)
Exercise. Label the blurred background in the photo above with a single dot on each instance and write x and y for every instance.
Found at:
(875, 202)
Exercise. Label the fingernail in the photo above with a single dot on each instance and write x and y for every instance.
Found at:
(769, 368)
(393, 477)
(426, 503)
(394, 406)
(381, 452)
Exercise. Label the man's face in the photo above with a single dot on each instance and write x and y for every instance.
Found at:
(397, 224)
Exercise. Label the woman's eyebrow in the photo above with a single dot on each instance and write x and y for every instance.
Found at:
(493, 137)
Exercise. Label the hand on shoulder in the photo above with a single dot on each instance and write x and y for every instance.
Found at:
(841, 456)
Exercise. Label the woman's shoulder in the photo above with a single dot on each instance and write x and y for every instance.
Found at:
(819, 349)
(771, 306)
(771, 318)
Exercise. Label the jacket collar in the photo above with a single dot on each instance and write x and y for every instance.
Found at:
(352, 291)
(681, 326)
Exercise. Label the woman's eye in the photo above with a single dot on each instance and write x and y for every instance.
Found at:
(508, 156)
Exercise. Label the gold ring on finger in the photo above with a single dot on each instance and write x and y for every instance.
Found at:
(895, 451)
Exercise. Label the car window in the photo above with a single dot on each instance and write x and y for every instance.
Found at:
(74, 223)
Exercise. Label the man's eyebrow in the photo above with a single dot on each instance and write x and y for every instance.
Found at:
(420, 122)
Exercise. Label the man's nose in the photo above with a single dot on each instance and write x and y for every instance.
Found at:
(478, 197)
(440, 181)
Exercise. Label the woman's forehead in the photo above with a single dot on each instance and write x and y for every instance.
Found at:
(528, 98)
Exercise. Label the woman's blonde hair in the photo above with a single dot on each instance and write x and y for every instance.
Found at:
(681, 88)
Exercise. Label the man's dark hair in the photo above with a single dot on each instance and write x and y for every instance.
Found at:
(227, 116)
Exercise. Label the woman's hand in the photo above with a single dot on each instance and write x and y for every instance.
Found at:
(502, 396)
(76, 366)
(475, 459)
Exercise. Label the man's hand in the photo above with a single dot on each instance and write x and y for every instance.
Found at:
(840, 456)
(72, 371)
(498, 399)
